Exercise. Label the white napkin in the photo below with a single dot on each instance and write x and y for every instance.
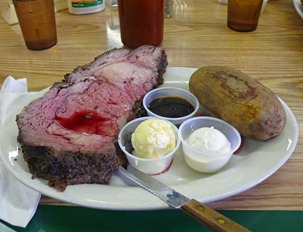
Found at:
(18, 203)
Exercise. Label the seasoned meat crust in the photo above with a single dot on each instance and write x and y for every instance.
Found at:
(68, 136)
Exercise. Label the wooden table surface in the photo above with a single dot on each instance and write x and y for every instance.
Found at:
(195, 36)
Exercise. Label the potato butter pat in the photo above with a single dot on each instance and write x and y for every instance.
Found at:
(209, 140)
(153, 138)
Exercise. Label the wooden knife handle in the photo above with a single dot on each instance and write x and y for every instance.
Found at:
(210, 217)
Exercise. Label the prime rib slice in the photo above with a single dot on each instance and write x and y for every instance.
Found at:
(69, 135)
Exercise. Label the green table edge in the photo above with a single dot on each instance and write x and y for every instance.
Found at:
(75, 218)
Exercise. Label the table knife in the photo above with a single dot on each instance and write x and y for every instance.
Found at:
(199, 211)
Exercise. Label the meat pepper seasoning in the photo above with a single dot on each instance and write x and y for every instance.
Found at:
(141, 22)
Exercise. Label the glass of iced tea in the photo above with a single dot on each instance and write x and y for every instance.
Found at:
(37, 22)
(243, 15)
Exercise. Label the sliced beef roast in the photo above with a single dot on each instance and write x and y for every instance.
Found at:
(69, 135)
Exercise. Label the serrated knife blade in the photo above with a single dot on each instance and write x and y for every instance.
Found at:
(199, 211)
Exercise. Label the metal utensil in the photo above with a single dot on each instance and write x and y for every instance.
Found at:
(199, 211)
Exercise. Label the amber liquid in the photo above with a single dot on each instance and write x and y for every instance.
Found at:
(243, 15)
(141, 22)
(37, 22)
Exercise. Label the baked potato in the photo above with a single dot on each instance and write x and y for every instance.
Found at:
(240, 100)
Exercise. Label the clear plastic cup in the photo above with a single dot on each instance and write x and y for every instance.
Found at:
(201, 161)
(148, 166)
(171, 92)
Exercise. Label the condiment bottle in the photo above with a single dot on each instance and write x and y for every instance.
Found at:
(85, 7)
(141, 22)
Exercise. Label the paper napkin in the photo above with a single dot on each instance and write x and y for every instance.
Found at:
(18, 203)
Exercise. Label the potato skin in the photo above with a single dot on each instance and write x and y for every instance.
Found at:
(239, 100)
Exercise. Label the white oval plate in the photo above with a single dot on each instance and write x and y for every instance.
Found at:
(254, 163)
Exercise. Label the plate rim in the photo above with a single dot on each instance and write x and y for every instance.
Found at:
(298, 7)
